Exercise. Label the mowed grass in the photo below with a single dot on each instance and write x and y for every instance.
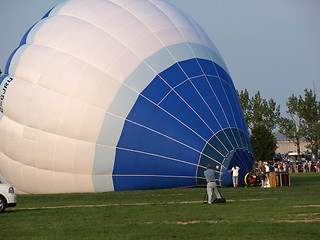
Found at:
(250, 213)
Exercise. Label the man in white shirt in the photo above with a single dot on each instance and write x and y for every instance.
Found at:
(212, 186)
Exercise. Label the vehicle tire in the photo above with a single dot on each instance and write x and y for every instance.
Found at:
(3, 204)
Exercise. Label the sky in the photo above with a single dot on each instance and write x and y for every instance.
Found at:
(271, 46)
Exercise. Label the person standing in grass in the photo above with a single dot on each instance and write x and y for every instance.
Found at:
(318, 166)
(262, 173)
(235, 174)
(212, 186)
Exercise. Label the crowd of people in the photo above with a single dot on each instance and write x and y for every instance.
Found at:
(296, 166)
(263, 168)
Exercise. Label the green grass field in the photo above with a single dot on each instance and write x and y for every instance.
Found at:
(250, 213)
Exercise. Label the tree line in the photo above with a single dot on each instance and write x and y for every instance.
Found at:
(263, 117)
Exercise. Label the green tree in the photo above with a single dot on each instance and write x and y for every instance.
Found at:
(245, 102)
(263, 142)
(311, 119)
(293, 127)
(264, 112)
(261, 116)
(259, 111)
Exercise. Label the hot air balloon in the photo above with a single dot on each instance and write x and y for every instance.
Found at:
(109, 95)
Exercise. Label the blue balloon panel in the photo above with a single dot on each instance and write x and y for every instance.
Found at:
(186, 118)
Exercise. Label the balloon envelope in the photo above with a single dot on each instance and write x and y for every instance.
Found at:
(107, 95)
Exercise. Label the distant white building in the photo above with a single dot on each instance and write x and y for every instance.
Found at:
(285, 145)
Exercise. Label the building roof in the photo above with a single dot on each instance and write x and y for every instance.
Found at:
(282, 138)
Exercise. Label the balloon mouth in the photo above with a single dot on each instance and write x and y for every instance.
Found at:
(225, 148)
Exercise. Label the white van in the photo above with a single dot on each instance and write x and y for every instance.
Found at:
(7, 197)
